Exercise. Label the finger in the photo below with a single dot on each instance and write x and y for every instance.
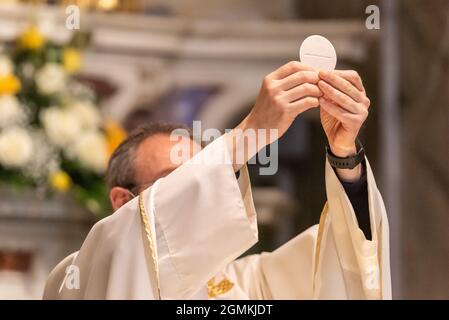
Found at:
(343, 85)
(288, 69)
(337, 112)
(339, 98)
(298, 78)
(302, 105)
(353, 77)
(301, 91)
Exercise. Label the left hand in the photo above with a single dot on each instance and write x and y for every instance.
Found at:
(344, 108)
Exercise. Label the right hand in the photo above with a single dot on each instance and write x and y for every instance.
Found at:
(285, 93)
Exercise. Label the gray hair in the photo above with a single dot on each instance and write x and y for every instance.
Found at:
(121, 169)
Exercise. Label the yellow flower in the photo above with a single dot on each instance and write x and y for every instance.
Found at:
(31, 39)
(9, 85)
(72, 60)
(115, 134)
(60, 181)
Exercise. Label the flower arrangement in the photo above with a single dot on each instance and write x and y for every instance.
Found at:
(53, 137)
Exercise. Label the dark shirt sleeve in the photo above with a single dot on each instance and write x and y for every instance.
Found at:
(358, 195)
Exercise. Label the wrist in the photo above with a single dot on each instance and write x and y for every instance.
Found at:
(243, 145)
(247, 123)
(252, 127)
(346, 161)
(344, 151)
(349, 175)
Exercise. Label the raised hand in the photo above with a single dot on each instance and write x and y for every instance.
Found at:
(344, 109)
(284, 94)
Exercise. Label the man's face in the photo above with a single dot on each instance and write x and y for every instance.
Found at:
(153, 158)
(153, 161)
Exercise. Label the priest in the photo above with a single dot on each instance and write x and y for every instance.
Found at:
(179, 226)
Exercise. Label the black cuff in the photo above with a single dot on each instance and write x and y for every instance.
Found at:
(357, 193)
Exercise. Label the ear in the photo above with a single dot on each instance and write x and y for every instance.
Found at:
(118, 197)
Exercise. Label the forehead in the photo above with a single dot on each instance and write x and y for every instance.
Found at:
(160, 145)
(153, 157)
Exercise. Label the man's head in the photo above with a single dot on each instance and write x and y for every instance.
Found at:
(142, 158)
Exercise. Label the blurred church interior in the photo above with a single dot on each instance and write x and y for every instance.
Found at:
(186, 60)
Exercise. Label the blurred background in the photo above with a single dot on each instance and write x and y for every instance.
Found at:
(68, 97)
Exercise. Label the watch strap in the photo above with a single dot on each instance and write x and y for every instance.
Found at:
(348, 162)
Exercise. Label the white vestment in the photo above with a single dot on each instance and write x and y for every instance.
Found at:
(202, 219)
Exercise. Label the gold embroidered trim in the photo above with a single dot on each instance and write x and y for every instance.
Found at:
(147, 228)
(323, 217)
(222, 287)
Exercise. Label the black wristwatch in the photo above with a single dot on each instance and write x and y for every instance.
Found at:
(349, 162)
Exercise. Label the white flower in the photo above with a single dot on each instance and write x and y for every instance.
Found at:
(11, 111)
(87, 112)
(6, 66)
(27, 70)
(45, 158)
(51, 78)
(16, 147)
(61, 125)
(91, 150)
